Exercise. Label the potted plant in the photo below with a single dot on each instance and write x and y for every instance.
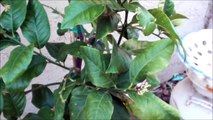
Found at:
(111, 78)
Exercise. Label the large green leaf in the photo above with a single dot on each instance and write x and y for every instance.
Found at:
(169, 7)
(119, 62)
(61, 94)
(134, 46)
(12, 18)
(46, 113)
(177, 19)
(95, 67)
(35, 68)
(146, 20)
(123, 81)
(98, 106)
(107, 24)
(2, 87)
(120, 112)
(177, 16)
(133, 33)
(14, 104)
(32, 116)
(61, 32)
(72, 49)
(153, 59)
(6, 40)
(163, 21)
(150, 107)
(53, 49)
(77, 102)
(112, 4)
(36, 28)
(134, 20)
(132, 6)
(1, 102)
(17, 64)
(90, 10)
(6, 43)
(153, 81)
(42, 97)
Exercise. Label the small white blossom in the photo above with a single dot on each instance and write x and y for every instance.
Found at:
(142, 87)
(6, 8)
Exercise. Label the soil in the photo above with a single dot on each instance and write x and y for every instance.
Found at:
(164, 90)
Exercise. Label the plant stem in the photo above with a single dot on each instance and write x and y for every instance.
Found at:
(76, 60)
(157, 35)
(50, 61)
(54, 10)
(123, 28)
(50, 84)
(123, 2)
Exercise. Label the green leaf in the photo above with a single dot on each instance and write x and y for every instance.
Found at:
(46, 113)
(150, 107)
(1, 101)
(134, 46)
(132, 33)
(42, 97)
(95, 67)
(169, 7)
(177, 16)
(72, 49)
(60, 31)
(100, 45)
(12, 18)
(32, 116)
(61, 94)
(177, 22)
(6, 39)
(123, 81)
(163, 21)
(146, 20)
(14, 104)
(153, 81)
(132, 7)
(120, 112)
(6, 43)
(35, 68)
(17, 64)
(54, 10)
(119, 62)
(113, 4)
(98, 106)
(153, 59)
(106, 40)
(107, 24)
(90, 11)
(53, 49)
(2, 87)
(134, 20)
(77, 102)
(36, 28)
(177, 19)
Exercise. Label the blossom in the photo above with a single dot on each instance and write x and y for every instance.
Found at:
(142, 87)
(6, 8)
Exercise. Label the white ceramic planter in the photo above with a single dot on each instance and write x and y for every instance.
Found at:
(198, 46)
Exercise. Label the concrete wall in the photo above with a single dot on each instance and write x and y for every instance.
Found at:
(195, 10)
